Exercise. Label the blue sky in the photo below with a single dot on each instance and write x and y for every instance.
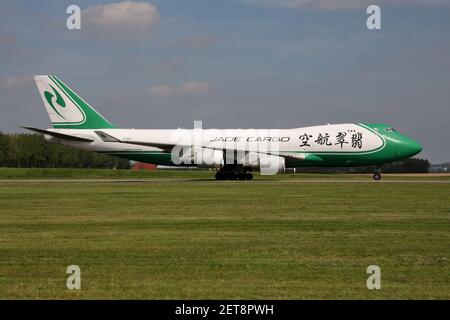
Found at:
(236, 64)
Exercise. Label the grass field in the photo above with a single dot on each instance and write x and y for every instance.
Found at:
(182, 235)
(36, 173)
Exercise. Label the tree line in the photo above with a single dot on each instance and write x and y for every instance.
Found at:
(411, 165)
(32, 151)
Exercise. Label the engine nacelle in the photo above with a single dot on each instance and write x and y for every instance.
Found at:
(210, 158)
(200, 157)
(270, 165)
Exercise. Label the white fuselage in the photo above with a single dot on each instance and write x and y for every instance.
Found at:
(340, 138)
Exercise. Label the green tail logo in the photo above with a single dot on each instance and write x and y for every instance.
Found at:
(59, 100)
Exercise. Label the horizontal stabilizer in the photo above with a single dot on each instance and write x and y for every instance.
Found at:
(59, 135)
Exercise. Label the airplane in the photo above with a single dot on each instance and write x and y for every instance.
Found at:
(235, 153)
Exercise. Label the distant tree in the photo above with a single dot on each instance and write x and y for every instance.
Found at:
(13, 151)
(411, 165)
(31, 150)
(4, 149)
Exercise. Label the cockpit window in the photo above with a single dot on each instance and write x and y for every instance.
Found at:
(390, 130)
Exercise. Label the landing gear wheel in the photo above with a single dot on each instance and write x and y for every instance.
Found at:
(233, 172)
(376, 176)
(219, 176)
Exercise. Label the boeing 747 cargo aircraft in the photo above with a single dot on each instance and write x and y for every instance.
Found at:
(235, 153)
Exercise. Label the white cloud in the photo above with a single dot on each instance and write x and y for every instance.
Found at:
(162, 91)
(15, 81)
(340, 4)
(190, 88)
(195, 87)
(122, 17)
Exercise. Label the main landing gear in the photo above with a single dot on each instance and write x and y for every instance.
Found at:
(233, 172)
(377, 174)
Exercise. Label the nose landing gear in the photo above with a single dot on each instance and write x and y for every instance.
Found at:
(377, 174)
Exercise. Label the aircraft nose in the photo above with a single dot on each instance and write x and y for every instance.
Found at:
(409, 147)
(416, 147)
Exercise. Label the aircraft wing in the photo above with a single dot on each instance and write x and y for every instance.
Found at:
(109, 138)
(168, 147)
(59, 135)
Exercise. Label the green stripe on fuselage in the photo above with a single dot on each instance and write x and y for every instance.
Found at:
(395, 147)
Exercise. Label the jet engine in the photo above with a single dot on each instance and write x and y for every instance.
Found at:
(210, 158)
(201, 157)
(270, 165)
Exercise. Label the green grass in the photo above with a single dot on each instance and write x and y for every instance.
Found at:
(206, 239)
(55, 173)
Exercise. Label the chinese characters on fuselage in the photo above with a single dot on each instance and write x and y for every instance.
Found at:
(307, 140)
(355, 139)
